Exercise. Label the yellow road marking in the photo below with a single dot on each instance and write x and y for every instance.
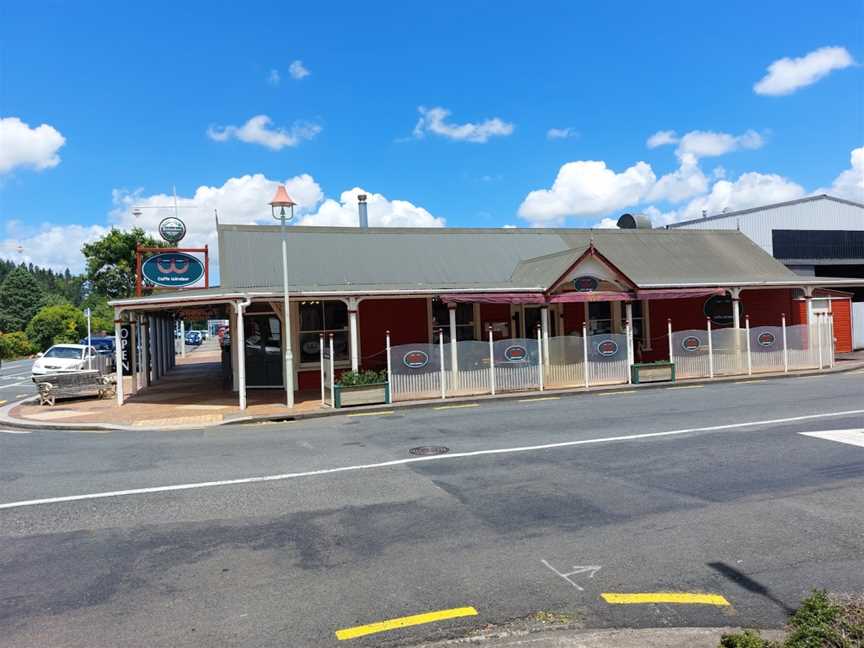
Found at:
(684, 598)
(442, 407)
(748, 382)
(541, 398)
(687, 387)
(387, 413)
(404, 622)
(616, 393)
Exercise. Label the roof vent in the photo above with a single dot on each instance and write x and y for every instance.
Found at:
(634, 221)
(361, 207)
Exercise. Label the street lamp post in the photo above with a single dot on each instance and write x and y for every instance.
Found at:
(282, 208)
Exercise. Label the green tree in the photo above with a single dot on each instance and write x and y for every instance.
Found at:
(15, 345)
(111, 261)
(101, 314)
(59, 324)
(20, 299)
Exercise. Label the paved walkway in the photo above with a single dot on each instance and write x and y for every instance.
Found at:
(195, 394)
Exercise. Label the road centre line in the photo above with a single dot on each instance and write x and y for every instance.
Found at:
(15, 431)
(410, 460)
(446, 407)
(404, 622)
(681, 598)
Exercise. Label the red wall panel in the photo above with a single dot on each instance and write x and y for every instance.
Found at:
(574, 317)
(490, 313)
(406, 319)
(841, 309)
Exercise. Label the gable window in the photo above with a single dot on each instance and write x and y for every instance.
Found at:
(325, 316)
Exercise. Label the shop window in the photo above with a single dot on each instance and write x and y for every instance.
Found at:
(599, 318)
(317, 317)
(441, 320)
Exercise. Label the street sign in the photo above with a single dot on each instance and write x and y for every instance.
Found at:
(172, 229)
(173, 270)
(719, 310)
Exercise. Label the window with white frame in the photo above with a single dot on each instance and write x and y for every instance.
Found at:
(324, 316)
(441, 320)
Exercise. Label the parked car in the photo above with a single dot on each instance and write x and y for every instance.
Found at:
(193, 338)
(200, 332)
(62, 358)
(103, 345)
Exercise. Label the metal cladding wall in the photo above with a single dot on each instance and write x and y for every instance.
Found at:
(812, 214)
(841, 309)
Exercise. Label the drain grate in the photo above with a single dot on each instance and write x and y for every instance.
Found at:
(427, 451)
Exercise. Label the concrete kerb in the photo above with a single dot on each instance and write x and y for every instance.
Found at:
(15, 423)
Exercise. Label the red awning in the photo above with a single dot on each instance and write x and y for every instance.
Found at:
(595, 296)
(494, 298)
(679, 293)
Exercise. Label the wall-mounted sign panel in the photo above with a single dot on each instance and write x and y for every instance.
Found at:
(173, 270)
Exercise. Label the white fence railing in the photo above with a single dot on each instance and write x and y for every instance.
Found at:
(423, 370)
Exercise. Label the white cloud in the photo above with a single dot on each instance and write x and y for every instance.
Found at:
(274, 78)
(607, 223)
(685, 182)
(298, 71)
(382, 212)
(258, 131)
(433, 120)
(749, 190)
(561, 133)
(51, 246)
(706, 143)
(587, 188)
(850, 183)
(786, 75)
(662, 138)
(22, 146)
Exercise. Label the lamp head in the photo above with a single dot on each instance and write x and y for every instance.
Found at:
(282, 206)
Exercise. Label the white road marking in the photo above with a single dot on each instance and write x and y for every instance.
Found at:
(852, 437)
(400, 462)
(591, 570)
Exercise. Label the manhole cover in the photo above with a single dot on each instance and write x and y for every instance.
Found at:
(425, 451)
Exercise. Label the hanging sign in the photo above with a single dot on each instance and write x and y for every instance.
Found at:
(516, 353)
(766, 339)
(719, 310)
(585, 284)
(172, 229)
(415, 359)
(126, 349)
(607, 348)
(172, 270)
(691, 343)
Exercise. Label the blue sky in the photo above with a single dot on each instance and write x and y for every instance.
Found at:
(150, 95)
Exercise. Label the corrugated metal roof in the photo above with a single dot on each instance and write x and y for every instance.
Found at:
(380, 259)
(762, 208)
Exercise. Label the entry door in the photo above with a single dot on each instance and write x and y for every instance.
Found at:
(527, 317)
(263, 351)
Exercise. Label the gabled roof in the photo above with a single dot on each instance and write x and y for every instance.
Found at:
(350, 259)
(762, 208)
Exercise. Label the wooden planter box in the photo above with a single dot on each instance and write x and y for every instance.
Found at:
(375, 394)
(648, 372)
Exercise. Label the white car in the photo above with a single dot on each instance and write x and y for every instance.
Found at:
(63, 357)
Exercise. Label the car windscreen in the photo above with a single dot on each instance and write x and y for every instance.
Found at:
(64, 353)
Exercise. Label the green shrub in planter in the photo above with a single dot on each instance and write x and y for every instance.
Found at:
(368, 377)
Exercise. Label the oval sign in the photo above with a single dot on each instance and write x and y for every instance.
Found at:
(585, 284)
(691, 343)
(719, 310)
(415, 359)
(766, 339)
(172, 269)
(607, 348)
(515, 353)
(172, 229)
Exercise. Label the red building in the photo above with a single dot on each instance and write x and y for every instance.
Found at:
(431, 285)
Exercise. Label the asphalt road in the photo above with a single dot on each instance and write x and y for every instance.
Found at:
(15, 380)
(711, 490)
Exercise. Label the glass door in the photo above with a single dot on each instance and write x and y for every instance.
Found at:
(263, 347)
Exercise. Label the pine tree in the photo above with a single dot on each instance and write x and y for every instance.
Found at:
(20, 299)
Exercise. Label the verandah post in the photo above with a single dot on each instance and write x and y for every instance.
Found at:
(321, 353)
(491, 361)
(629, 332)
(832, 340)
(785, 348)
(819, 338)
(749, 358)
(710, 350)
(540, 355)
(669, 335)
(441, 358)
(585, 352)
(387, 346)
(332, 375)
